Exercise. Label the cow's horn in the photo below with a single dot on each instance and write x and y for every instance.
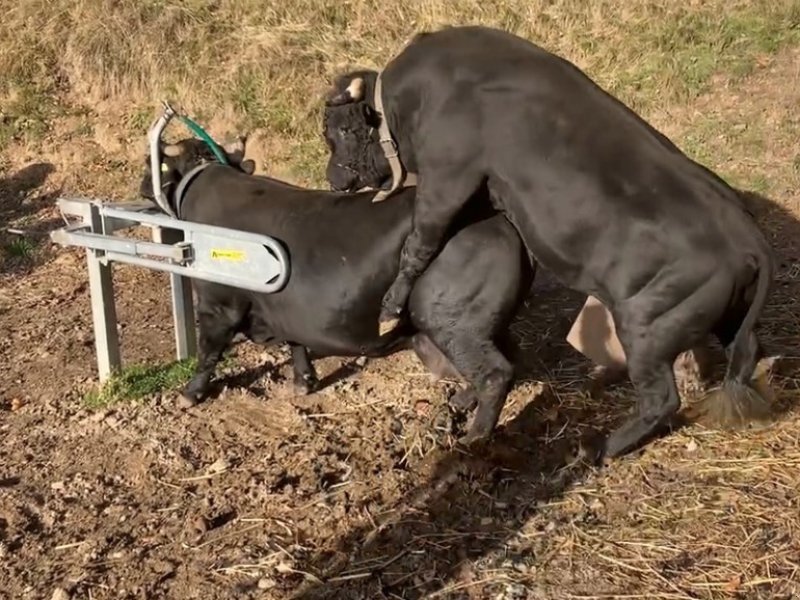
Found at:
(356, 89)
(173, 150)
(353, 93)
(236, 146)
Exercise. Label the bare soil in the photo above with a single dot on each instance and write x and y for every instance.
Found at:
(357, 491)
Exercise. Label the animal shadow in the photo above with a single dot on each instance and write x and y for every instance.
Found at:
(473, 503)
(21, 234)
(15, 189)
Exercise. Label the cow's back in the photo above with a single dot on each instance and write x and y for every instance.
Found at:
(599, 196)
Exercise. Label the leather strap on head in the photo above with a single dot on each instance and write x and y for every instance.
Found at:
(399, 177)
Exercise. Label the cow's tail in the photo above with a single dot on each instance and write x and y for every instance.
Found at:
(743, 399)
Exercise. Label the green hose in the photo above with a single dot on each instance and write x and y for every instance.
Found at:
(201, 133)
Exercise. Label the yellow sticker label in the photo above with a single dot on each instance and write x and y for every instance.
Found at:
(235, 255)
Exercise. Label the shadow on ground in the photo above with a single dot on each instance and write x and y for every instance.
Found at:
(23, 235)
(16, 201)
(472, 506)
(779, 327)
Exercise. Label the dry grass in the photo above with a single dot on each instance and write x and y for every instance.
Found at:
(262, 66)
(701, 514)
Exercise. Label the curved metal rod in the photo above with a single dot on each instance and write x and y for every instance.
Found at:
(154, 138)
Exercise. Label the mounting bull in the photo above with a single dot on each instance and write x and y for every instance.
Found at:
(600, 198)
(344, 251)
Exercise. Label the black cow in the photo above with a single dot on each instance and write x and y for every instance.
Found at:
(599, 197)
(344, 252)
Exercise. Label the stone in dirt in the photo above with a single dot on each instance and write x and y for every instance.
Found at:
(60, 594)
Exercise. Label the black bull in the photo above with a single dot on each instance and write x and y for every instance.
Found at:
(344, 253)
(599, 197)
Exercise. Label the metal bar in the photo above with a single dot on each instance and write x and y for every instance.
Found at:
(130, 205)
(81, 207)
(104, 314)
(122, 247)
(77, 207)
(182, 305)
(266, 288)
(170, 223)
(161, 220)
(65, 234)
(98, 241)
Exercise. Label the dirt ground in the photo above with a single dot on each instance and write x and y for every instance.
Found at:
(357, 491)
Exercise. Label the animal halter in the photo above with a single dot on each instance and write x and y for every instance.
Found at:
(400, 178)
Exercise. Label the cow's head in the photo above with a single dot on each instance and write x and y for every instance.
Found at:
(181, 157)
(351, 132)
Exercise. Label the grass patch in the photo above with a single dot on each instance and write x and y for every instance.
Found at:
(733, 149)
(308, 162)
(140, 381)
(25, 113)
(20, 248)
(684, 49)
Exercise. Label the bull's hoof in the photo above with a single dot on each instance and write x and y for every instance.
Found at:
(185, 401)
(592, 449)
(464, 400)
(305, 386)
(392, 305)
(473, 439)
(613, 446)
(689, 374)
(387, 326)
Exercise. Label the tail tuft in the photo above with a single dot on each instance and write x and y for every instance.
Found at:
(736, 405)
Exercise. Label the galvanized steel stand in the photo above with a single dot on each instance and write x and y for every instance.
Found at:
(182, 248)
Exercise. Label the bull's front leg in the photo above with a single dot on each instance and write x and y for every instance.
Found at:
(305, 377)
(216, 331)
(439, 198)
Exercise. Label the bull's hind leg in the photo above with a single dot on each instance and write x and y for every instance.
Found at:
(653, 337)
(657, 399)
(216, 331)
(487, 373)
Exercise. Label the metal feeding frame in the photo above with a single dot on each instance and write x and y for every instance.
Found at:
(184, 249)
